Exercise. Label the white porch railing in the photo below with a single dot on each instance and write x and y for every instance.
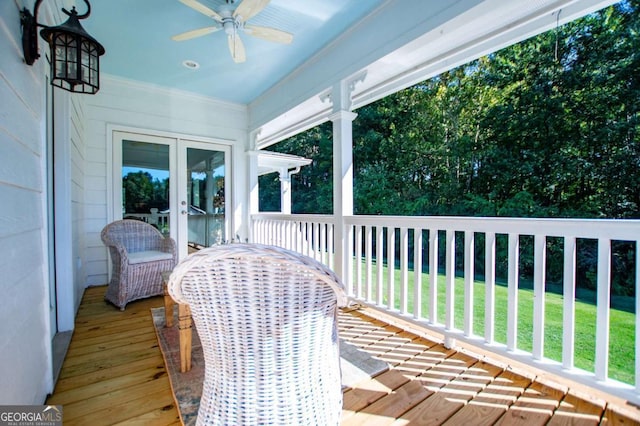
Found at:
(469, 303)
(311, 235)
(203, 230)
(161, 220)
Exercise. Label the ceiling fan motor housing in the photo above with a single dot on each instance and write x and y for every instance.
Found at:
(229, 26)
(232, 21)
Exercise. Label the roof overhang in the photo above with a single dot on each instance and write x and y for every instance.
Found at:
(270, 162)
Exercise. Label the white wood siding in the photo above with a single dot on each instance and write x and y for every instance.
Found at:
(25, 372)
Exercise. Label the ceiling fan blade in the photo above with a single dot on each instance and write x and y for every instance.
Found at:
(270, 34)
(199, 7)
(194, 33)
(249, 8)
(236, 47)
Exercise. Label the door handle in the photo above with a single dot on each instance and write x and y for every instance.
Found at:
(183, 212)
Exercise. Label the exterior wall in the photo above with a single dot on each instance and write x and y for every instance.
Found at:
(25, 345)
(131, 106)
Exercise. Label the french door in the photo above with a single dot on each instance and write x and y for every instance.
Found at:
(178, 185)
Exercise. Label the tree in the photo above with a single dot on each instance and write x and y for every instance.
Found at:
(138, 192)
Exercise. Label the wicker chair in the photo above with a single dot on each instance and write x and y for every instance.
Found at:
(139, 255)
(267, 321)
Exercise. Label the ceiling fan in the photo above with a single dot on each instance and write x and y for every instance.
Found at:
(233, 22)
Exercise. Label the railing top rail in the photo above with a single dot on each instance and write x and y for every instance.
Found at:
(580, 228)
(318, 218)
(615, 229)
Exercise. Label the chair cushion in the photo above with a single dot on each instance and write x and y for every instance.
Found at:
(148, 256)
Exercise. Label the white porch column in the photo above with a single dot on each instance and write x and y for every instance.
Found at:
(254, 195)
(285, 191)
(342, 119)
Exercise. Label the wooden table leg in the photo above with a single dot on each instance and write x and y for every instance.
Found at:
(184, 326)
(168, 307)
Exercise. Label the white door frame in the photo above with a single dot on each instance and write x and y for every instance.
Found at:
(178, 144)
(185, 144)
(116, 167)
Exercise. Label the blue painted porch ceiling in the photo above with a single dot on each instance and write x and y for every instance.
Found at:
(137, 38)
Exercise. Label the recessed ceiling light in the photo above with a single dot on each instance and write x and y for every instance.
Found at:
(192, 65)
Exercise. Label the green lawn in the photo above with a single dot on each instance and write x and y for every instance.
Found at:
(622, 324)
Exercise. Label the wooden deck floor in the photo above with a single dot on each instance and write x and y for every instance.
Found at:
(114, 374)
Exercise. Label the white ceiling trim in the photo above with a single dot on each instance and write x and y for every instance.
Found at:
(109, 79)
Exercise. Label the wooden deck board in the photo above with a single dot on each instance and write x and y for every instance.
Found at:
(71, 369)
(153, 365)
(114, 374)
(127, 336)
(107, 385)
(158, 417)
(577, 410)
(454, 384)
(534, 407)
(365, 393)
(492, 402)
(120, 406)
(385, 410)
(111, 345)
(617, 416)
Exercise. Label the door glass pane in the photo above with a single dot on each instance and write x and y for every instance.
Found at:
(145, 183)
(206, 195)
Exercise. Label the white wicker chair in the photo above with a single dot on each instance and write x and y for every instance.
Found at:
(139, 255)
(267, 320)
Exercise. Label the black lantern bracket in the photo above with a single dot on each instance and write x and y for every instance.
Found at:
(74, 53)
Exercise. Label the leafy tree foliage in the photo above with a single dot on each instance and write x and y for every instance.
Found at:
(269, 193)
(142, 192)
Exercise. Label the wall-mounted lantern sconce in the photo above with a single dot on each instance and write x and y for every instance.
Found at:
(75, 55)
